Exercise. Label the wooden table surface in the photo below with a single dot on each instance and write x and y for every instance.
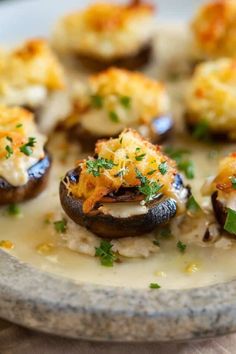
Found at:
(18, 340)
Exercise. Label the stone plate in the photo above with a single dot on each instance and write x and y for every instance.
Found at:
(52, 304)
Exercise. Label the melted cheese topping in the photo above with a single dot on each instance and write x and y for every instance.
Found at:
(106, 30)
(16, 127)
(134, 98)
(212, 96)
(214, 29)
(123, 210)
(128, 154)
(27, 74)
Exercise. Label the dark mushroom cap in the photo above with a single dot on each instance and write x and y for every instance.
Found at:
(160, 211)
(219, 209)
(38, 177)
(130, 62)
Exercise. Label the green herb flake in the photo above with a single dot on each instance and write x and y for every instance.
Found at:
(13, 209)
(60, 226)
(9, 151)
(230, 223)
(121, 173)
(165, 232)
(163, 167)
(113, 116)
(125, 101)
(192, 206)
(187, 167)
(151, 172)
(9, 138)
(140, 157)
(105, 253)
(20, 125)
(156, 243)
(154, 286)
(95, 166)
(149, 188)
(27, 148)
(201, 131)
(96, 101)
(181, 246)
(233, 181)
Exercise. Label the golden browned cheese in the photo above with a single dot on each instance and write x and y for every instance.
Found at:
(31, 63)
(128, 153)
(106, 29)
(214, 29)
(148, 98)
(227, 170)
(211, 96)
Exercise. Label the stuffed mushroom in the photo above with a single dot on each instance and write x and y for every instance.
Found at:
(106, 34)
(127, 189)
(214, 30)
(29, 74)
(115, 99)
(222, 189)
(24, 162)
(211, 103)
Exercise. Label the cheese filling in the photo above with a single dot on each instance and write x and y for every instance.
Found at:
(21, 145)
(123, 210)
(32, 96)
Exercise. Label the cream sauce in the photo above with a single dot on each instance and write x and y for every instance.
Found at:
(36, 242)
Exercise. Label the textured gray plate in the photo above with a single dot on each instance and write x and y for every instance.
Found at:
(52, 304)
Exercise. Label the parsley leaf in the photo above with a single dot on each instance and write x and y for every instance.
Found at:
(19, 125)
(94, 166)
(201, 131)
(233, 181)
(154, 286)
(114, 117)
(140, 157)
(192, 205)
(96, 101)
(149, 188)
(9, 151)
(151, 172)
(125, 101)
(105, 253)
(165, 232)
(13, 209)
(181, 246)
(163, 167)
(60, 226)
(27, 148)
(230, 223)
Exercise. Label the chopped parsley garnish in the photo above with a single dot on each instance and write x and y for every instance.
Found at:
(192, 205)
(27, 148)
(230, 223)
(105, 253)
(125, 101)
(151, 172)
(181, 246)
(201, 131)
(19, 125)
(154, 286)
(13, 209)
(95, 166)
(60, 226)
(233, 181)
(96, 101)
(165, 232)
(9, 138)
(156, 243)
(114, 117)
(121, 173)
(183, 163)
(163, 167)
(9, 151)
(149, 188)
(140, 157)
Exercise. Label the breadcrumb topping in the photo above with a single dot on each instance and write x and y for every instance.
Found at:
(214, 29)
